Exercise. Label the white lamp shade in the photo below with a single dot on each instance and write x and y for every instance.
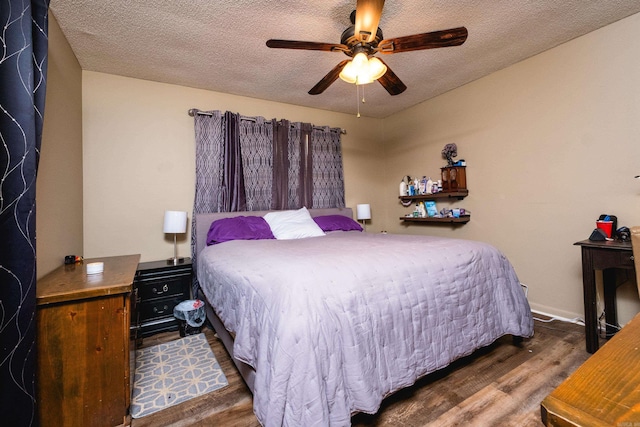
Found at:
(363, 211)
(175, 222)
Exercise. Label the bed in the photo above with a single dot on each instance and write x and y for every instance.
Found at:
(324, 327)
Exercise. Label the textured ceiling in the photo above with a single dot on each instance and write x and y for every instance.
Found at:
(219, 45)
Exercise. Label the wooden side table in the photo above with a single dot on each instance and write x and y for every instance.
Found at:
(611, 257)
(83, 343)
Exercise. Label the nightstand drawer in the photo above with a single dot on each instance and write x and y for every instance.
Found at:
(162, 288)
(149, 310)
(607, 258)
(158, 325)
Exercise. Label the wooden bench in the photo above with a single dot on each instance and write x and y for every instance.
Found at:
(605, 390)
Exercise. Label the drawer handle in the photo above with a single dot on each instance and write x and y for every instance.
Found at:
(631, 258)
(164, 309)
(165, 288)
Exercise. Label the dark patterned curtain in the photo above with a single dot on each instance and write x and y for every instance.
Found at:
(249, 163)
(295, 176)
(257, 148)
(281, 165)
(23, 70)
(233, 188)
(315, 176)
(209, 162)
(302, 179)
(327, 178)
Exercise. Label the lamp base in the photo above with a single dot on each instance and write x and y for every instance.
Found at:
(175, 261)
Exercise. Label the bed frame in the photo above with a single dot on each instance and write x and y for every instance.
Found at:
(203, 222)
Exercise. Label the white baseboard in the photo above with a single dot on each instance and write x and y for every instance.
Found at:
(577, 319)
(553, 311)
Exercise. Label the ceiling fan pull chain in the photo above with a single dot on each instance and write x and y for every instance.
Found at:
(358, 99)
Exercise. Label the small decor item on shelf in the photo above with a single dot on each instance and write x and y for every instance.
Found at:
(430, 206)
(449, 152)
(454, 178)
(453, 213)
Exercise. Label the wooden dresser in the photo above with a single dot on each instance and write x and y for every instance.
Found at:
(83, 343)
(605, 390)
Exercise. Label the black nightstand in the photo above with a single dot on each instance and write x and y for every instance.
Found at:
(157, 288)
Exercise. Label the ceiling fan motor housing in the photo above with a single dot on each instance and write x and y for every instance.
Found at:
(356, 45)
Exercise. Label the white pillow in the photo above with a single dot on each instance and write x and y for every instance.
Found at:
(293, 224)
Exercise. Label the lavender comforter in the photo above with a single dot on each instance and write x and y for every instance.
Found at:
(334, 324)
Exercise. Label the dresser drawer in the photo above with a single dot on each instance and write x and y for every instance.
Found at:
(159, 308)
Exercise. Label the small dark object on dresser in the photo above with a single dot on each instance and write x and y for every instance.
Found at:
(623, 234)
(597, 235)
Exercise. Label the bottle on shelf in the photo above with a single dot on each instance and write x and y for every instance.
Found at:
(403, 188)
(423, 210)
(423, 186)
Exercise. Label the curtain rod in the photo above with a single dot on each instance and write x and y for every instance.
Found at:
(193, 111)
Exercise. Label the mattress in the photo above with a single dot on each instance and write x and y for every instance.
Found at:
(334, 324)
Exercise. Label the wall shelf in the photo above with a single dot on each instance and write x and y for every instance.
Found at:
(449, 195)
(447, 220)
(460, 194)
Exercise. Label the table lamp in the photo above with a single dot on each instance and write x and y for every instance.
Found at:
(363, 213)
(175, 222)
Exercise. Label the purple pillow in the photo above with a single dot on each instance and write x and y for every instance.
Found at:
(336, 223)
(238, 228)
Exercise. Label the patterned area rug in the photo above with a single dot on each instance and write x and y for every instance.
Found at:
(171, 373)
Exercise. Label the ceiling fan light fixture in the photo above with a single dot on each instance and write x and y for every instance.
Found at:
(362, 70)
(348, 73)
(376, 68)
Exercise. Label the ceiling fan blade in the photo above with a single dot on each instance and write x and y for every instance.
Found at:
(296, 44)
(327, 80)
(391, 82)
(432, 40)
(368, 14)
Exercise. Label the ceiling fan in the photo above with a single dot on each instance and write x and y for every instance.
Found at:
(362, 40)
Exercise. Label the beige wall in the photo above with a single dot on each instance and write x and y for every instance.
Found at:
(139, 158)
(59, 182)
(550, 144)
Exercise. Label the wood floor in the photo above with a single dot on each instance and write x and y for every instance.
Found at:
(501, 385)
